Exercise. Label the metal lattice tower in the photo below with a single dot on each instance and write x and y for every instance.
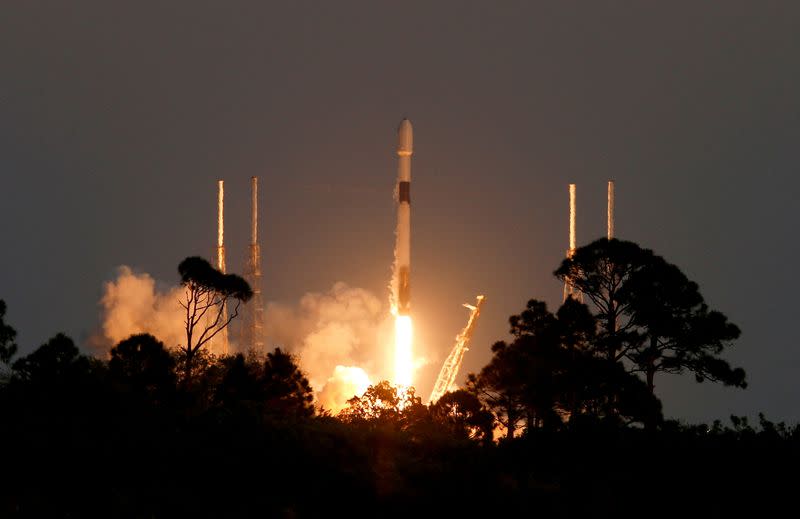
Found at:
(610, 212)
(449, 372)
(252, 331)
(221, 340)
(569, 288)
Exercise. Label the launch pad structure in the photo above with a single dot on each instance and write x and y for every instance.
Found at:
(449, 372)
(610, 211)
(569, 288)
(220, 342)
(252, 329)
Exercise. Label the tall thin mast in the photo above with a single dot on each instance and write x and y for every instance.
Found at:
(253, 314)
(222, 337)
(610, 223)
(569, 289)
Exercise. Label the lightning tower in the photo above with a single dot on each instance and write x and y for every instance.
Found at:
(252, 335)
(222, 338)
(610, 218)
(569, 289)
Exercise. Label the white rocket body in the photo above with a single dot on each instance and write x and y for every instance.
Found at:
(405, 147)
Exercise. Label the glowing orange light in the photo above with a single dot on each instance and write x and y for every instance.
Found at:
(403, 358)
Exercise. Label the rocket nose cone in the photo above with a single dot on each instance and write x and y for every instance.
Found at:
(405, 138)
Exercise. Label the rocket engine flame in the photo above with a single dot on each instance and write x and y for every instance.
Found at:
(403, 358)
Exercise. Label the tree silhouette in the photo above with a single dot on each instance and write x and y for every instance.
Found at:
(287, 391)
(144, 367)
(275, 383)
(240, 381)
(600, 270)
(650, 313)
(207, 293)
(382, 405)
(680, 332)
(55, 362)
(7, 335)
(464, 416)
(552, 372)
(500, 387)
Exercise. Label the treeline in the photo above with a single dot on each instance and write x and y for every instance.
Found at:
(564, 421)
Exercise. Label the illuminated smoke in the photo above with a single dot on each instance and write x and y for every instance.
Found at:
(345, 382)
(331, 333)
(132, 304)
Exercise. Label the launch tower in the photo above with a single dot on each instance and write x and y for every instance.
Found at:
(221, 340)
(569, 288)
(252, 331)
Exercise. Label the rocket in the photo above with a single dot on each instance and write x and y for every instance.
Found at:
(403, 244)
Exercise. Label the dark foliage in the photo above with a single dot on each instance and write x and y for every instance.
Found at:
(154, 433)
(553, 373)
(650, 314)
(7, 335)
(206, 305)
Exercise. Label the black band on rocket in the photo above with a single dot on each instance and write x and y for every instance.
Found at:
(404, 193)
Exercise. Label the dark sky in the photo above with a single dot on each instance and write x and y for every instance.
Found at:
(115, 122)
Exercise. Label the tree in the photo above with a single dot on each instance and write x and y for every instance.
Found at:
(680, 331)
(287, 391)
(650, 313)
(273, 383)
(382, 405)
(143, 366)
(53, 363)
(240, 381)
(207, 293)
(7, 335)
(500, 387)
(599, 271)
(551, 372)
(464, 416)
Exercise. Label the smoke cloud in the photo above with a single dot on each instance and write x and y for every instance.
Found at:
(341, 337)
(346, 382)
(132, 304)
(331, 333)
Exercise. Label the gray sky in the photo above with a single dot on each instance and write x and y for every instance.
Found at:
(115, 122)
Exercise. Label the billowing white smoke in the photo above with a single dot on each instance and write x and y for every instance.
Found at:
(346, 382)
(339, 336)
(332, 333)
(131, 304)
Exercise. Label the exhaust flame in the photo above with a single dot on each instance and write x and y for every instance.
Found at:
(403, 358)
(345, 383)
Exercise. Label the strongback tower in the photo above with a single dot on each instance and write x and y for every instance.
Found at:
(252, 336)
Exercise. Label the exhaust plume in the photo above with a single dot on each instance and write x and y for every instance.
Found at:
(132, 304)
(331, 333)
